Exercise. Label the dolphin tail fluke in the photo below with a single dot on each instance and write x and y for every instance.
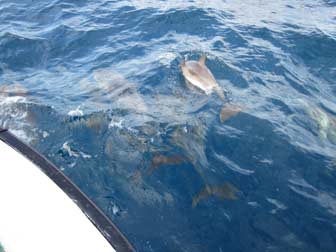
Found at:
(224, 192)
(202, 59)
(205, 193)
(229, 111)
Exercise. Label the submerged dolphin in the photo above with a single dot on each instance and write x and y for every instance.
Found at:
(326, 123)
(198, 74)
(225, 191)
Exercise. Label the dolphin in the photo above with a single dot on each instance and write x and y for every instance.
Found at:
(159, 160)
(326, 122)
(198, 75)
(15, 89)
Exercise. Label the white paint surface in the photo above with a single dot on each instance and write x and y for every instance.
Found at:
(36, 215)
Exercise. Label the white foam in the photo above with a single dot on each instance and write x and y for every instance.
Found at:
(15, 118)
(115, 209)
(185, 129)
(13, 99)
(167, 58)
(117, 124)
(76, 112)
(22, 135)
(72, 165)
(67, 148)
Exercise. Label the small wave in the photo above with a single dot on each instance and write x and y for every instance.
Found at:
(32, 51)
(277, 204)
(253, 204)
(225, 130)
(324, 199)
(231, 165)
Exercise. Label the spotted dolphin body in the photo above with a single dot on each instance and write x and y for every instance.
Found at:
(198, 75)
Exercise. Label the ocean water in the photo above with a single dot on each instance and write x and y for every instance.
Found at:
(96, 87)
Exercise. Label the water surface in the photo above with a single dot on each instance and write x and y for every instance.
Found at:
(96, 87)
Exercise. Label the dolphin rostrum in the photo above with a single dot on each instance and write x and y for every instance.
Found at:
(198, 74)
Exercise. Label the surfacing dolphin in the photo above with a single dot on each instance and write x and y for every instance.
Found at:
(198, 75)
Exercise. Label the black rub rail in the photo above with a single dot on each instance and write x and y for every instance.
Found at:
(111, 233)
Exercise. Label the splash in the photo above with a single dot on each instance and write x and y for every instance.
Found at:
(16, 116)
(98, 122)
(74, 153)
(116, 124)
(76, 112)
(66, 147)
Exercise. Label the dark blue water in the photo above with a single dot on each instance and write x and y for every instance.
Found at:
(96, 87)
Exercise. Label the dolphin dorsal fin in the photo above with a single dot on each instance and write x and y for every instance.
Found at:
(202, 59)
